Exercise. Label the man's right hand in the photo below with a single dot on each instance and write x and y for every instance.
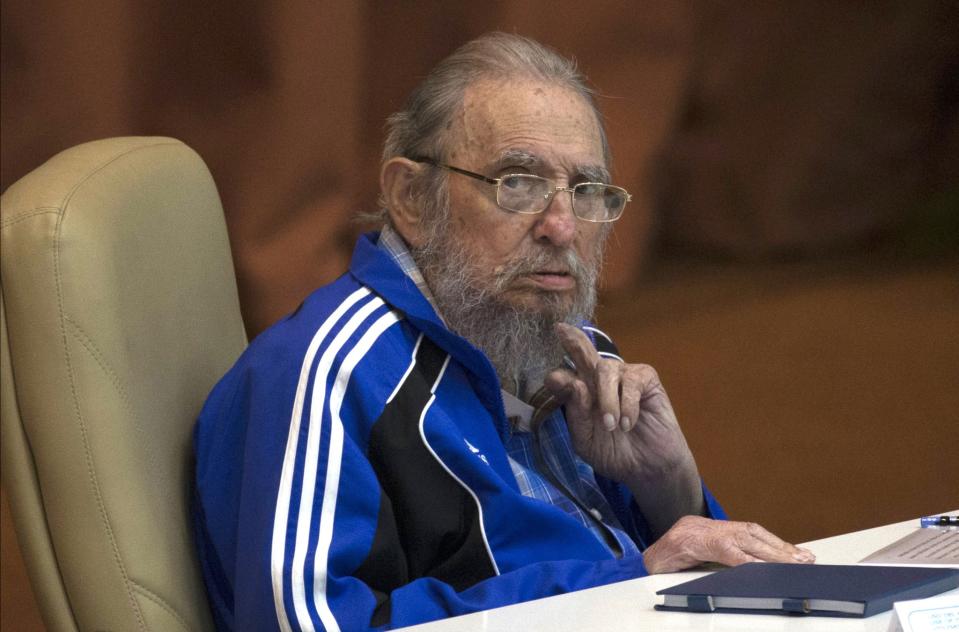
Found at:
(694, 540)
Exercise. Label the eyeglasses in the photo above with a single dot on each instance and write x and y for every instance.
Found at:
(529, 194)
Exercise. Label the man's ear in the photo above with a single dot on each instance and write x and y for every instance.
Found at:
(397, 178)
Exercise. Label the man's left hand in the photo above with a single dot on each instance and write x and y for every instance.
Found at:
(623, 425)
(694, 540)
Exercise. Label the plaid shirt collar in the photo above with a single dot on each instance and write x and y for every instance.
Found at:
(393, 244)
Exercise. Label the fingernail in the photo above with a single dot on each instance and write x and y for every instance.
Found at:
(804, 556)
(624, 423)
(609, 422)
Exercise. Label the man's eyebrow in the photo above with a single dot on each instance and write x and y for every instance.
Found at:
(516, 158)
(592, 173)
(527, 160)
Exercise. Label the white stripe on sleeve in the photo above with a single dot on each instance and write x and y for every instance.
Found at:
(281, 515)
(328, 511)
(311, 461)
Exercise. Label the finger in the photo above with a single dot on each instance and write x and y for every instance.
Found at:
(581, 351)
(798, 553)
(805, 555)
(559, 382)
(767, 553)
(693, 540)
(607, 392)
(631, 394)
(731, 555)
(569, 391)
(578, 408)
(760, 543)
(759, 532)
(653, 398)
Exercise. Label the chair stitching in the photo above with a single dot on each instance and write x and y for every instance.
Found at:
(160, 601)
(84, 339)
(19, 217)
(87, 342)
(96, 170)
(56, 583)
(91, 472)
(88, 457)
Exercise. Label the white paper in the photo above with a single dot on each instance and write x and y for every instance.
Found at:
(936, 614)
(934, 545)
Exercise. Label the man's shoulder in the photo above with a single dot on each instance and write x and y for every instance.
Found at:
(319, 305)
(343, 326)
(337, 313)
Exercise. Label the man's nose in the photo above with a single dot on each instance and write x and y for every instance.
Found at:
(557, 223)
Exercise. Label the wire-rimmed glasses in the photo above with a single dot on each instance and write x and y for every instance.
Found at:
(529, 194)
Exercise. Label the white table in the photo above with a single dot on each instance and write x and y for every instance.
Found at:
(629, 605)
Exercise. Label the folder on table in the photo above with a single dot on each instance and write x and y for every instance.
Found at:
(808, 589)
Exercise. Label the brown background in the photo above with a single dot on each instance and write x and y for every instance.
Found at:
(789, 263)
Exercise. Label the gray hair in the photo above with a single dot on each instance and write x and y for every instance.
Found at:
(420, 129)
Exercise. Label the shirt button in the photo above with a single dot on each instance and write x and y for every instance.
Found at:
(595, 513)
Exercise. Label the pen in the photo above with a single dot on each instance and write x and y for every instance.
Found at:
(939, 521)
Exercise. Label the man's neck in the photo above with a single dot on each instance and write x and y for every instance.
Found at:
(392, 241)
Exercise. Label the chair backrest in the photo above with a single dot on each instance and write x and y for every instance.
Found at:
(119, 312)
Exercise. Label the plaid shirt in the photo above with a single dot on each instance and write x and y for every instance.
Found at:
(540, 449)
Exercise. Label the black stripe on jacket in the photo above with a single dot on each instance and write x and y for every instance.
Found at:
(428, 525)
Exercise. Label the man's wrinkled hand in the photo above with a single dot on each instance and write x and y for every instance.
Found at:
(623, 425)
(620, 418)
(694, 540)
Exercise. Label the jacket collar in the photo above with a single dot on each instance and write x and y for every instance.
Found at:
(375, 268)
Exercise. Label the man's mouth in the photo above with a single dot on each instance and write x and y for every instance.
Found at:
(554, 280)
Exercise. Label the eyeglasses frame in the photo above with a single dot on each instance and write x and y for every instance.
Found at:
(549, 199)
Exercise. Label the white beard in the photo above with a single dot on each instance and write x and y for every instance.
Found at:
(519, 341)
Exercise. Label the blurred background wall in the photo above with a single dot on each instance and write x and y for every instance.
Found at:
(790, 263)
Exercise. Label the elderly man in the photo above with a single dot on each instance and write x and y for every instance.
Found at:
(441, 430)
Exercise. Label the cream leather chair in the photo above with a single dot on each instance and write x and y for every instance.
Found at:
(119, 312)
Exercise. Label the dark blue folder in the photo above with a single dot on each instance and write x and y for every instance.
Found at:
(808, 589)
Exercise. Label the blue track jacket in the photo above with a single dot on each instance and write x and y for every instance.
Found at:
(350, 473)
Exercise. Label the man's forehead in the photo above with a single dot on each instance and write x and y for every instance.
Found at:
(530, 120)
